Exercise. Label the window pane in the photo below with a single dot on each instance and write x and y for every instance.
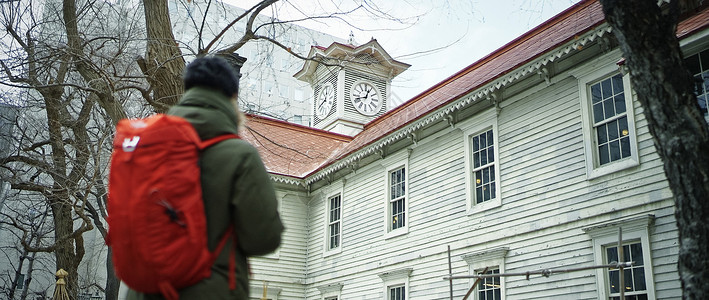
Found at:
(606, 89)
(639, 279)
(625, 147)
(614, 148)
(595, 94)
(612, 130)
(608, 108)
(493, 190)
(619, 101)
(612, 254)
(478, 195)
(623, 126)
(636, 253)
(614, 281)
(476, 159)
(628, 280)
(598, 112)
(602, 134)
(617, 84)
(604, 155)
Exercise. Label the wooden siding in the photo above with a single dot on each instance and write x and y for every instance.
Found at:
(546, 201)
(285, 269)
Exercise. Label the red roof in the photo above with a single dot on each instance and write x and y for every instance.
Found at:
(290, 149)
(323, 148)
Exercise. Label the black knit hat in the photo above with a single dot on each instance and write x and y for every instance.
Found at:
(212, 72)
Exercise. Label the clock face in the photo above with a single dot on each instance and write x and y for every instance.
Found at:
(365, 98)
(325, 100)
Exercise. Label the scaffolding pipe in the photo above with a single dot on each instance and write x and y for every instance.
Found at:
(450, 271)
(621, 273)
(545, 272)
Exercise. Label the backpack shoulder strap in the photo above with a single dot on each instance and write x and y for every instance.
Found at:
(208, 143)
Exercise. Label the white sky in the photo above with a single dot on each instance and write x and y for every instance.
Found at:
(452, 34)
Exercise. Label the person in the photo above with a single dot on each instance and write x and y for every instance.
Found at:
(236, 188)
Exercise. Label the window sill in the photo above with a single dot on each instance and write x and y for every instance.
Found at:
(397, 232)
(485, 206)
(332, 252)
(612, 168)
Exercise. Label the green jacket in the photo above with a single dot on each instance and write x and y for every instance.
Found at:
(237, 190)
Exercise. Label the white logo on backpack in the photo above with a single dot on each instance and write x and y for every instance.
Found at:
(130, 144)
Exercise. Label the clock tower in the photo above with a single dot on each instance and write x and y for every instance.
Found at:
(351, 84)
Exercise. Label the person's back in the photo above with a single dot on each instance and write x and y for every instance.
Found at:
(236, 188)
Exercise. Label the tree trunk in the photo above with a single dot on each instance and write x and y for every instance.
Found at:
(664, 87)
(164, 63)
(64, 253)
(112, 282)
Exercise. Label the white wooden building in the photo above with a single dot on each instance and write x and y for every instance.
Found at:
(530, 159)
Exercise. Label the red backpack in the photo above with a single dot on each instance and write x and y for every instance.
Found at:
(156, 219)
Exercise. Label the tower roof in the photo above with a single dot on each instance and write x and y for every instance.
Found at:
(350, 54)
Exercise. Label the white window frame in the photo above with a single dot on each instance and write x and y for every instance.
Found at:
(396, 287)
(703, 69)
(331, 291)
(392, 164)
(483, 122)
(606, 234)
(489, 258)
(591, 73)
(396, 278)
(332, 250)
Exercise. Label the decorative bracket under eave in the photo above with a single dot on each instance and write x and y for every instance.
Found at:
(414, 138)
(495, 99)
(544, 74)
(450, 119)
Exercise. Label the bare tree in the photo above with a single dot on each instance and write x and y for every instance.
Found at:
(665, 88)
(26, 222)
(72, 85)
(76, 68)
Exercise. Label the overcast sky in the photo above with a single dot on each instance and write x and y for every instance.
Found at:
(448, 35)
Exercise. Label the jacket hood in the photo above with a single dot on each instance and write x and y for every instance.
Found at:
(210, 112)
